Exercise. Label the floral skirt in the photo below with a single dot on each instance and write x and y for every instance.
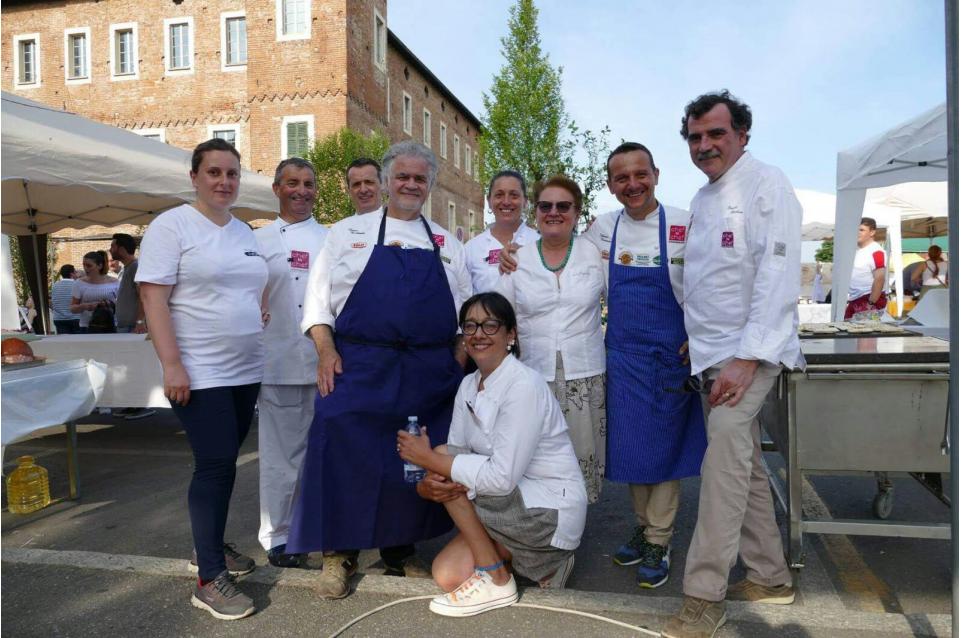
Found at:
(583, 404)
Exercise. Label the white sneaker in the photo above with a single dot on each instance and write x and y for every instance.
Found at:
(475, 595)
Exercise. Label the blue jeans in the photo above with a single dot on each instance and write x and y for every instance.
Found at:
(216, 421)
(67, 326)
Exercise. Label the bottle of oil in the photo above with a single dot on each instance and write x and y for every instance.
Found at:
(28, 488)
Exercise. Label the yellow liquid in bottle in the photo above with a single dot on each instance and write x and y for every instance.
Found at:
(28, 488)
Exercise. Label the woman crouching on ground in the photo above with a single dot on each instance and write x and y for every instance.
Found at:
(508, 475)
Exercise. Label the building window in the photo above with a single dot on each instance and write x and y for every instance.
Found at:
(380, 41)
(451, 216)
(228, 132)
(297, 134)
(293, 19)
(467, 160)
(427, 128)
(408, 113)
(27, 59)
(471, 231)
(158, 134)
(76, 55)
(178, 43)
(476, 169)
(457, 151)
(233, 40)
(443, 140)
(123, 51)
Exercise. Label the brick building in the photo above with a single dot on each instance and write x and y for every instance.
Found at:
(269, 75)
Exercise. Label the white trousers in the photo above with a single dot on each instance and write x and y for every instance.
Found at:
(286, 412)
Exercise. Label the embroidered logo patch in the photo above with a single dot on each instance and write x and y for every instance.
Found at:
(780, 248)
(395, 244)
(300, 259)
(605, 254)
(359, 244)
(657, 260)
(252, 253)
(677, 234)
(625, 258)
(643, 260)
(445, 259)
(677, 261)
(494, 256)
(439, 240)
(727, 239)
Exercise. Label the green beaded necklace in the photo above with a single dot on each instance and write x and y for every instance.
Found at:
(560, 266)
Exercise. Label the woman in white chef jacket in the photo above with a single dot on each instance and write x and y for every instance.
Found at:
(201, 281)
(507, 475)
(556, 291)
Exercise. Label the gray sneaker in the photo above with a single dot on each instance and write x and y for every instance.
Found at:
(222, 598)
(698, 618)
(237, 563)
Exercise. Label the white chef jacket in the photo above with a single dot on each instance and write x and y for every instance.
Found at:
(743, 268)
(347, 249)
(290, 250)
(559, 315)
(866, 261)
(638, 242)
(518, 438)
(484, 256)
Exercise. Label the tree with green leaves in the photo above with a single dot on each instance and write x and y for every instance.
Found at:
(825, 253)
(525, 124)
(330, 156)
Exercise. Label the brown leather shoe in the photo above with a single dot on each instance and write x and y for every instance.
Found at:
(748, 590)
(698, 618)
(333, 581)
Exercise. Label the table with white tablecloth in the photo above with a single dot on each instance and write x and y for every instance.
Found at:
(134, 375)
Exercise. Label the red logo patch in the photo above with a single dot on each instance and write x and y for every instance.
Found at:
(359, 244)
(300, 259)
(439, 240)
(494, 256)
(727, 239)
(677, 234)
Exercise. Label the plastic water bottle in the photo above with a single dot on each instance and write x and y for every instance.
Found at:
(413, 473)
(28, 488)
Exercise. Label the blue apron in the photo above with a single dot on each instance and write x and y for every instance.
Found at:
(655, 431)
(395, 336)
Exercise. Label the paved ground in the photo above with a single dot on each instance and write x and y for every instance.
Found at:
(114, 563)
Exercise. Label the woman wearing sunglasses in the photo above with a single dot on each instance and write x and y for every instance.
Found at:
(508, 476)
(556, 291)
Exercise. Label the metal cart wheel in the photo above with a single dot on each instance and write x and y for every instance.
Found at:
(883, 503)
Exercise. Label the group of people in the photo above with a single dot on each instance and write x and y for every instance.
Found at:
(701, 319)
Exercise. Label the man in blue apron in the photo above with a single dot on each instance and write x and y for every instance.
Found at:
(381, 307)
(655, 430)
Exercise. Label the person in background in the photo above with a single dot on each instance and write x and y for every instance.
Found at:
(363, 185)
(94, 289)
(556, 292)
(290, 244)
(116, 267)
(202, 282)
(507, 198)
(381, 307)
(507, 476)
(866, 290)
(655, 430)
(742, 277)
(932, 272)
(130, 316)
(66, 321)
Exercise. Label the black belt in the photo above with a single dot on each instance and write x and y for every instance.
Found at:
(398, 345)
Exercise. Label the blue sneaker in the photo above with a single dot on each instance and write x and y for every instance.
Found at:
(630, 553)
(655, 566)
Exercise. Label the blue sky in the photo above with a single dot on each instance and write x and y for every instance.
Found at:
(819, 75)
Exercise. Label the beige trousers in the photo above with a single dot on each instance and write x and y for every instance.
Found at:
(735, 511)
(656, 506)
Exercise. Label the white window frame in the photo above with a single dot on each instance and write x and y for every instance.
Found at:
(468, 163)
(212, 128)
(17, 61)
(123, 26)
(224, 61)
(168, 57)
(295, 119)
(443, 140)
(279, 19)
(388, 99)
(456, 150)
(68, 54)
(379, 50)
(476, 169)
(427, 128)
(148, 132)
(452, 217)
(408, 113)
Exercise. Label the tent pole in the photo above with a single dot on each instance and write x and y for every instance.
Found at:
(40, 303)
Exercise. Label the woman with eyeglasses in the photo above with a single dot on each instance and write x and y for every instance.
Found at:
(507, 476)
(556, 291)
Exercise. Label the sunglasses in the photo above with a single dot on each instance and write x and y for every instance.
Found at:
(546, 207)
(490, 327)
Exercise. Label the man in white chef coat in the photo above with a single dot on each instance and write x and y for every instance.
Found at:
(363, 185)
(741, 284)
(290, 244)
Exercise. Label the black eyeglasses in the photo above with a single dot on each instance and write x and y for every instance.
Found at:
(490, 327)
(562, 207)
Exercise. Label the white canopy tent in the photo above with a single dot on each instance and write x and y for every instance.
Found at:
(60, 170)
(913, 151)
